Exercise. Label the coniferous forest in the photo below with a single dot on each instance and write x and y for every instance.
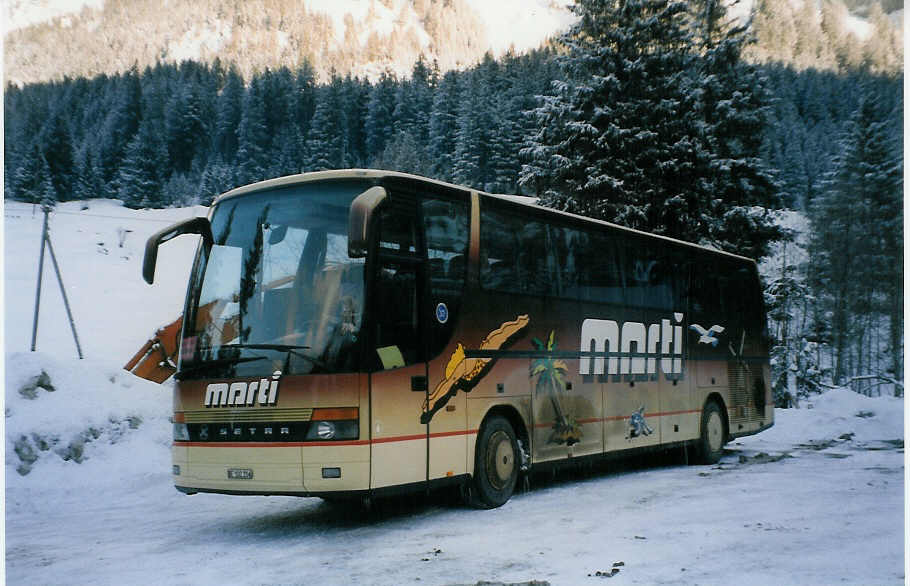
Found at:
(660, 115)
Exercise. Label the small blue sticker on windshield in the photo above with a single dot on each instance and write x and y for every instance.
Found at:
(442, 313)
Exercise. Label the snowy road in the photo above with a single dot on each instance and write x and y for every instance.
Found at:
(829, 513)
(823, 505)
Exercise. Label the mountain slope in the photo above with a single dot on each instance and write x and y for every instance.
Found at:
(362, 38)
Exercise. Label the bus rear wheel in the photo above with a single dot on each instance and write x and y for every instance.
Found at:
(496, 463)
(713, 435)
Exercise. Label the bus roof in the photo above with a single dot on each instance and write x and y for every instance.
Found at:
(518, 200)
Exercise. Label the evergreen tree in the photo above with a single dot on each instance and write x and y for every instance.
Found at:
(857, 243)
(48, 193)
(413, 102)
(252, 137)
(379, 116)
(185, 127)
(58, 154)
(217, 178)
(470, 156)
(729, 105)
(31, 174)
(120, 126)
(354, 95)
(625, 137)
(88, 181)
(325, 143)
(140, 181)
(442, 126)
(229, 109)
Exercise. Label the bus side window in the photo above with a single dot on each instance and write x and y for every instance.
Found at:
(499, 258)
(447, 232)
(397, 334)
(395, 301)
(398, 232)
(566, 246)
(536, 264)
(707, 297)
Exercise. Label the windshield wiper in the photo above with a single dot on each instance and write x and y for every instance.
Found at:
(214, 363)
(291, 349)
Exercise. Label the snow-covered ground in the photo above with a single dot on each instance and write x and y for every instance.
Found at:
(817, 499)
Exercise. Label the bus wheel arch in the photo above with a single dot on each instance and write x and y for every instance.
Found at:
(499, 457)
(714, 430)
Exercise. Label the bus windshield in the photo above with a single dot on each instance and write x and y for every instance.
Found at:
(277, 290)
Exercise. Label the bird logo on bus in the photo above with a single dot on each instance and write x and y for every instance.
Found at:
(707, 336)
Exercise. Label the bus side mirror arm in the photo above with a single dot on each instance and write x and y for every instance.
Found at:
(196, 225)
(362, 210)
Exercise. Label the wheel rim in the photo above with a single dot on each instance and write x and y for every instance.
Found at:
(500, 460)
(715, 428)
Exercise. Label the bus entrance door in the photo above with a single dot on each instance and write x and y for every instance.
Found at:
(398, 380)
(398, 453)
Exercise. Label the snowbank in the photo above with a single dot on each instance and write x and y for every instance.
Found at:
(63, 413)
(837, 413)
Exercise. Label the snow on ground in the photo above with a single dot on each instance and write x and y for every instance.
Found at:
(817, 499)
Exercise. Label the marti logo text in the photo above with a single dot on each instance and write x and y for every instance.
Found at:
(627, 349)
(241, 394)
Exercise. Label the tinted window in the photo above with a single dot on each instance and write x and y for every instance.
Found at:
(651, 275)
(447, 233)
(600, 268)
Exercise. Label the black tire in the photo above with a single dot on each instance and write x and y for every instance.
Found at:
(713, 435)
(496, 463)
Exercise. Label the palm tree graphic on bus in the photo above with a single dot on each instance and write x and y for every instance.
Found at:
(550, 373)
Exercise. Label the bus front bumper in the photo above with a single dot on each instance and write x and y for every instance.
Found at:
(294, 470)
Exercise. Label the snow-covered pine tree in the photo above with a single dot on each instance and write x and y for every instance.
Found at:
(139, 178)
(469, 157)
(442, 126)
(353, 96)
(184, 127)
(325, 143)
(47, 193)
(228, 111)
(730, 102)
(217, 178)
(252, 137)
(605, 138)
(88, 183)
(30, 174)
(624, 136)
(58, 153)
(120, 126)
(413, 101)
(857, 245)
(379, 120)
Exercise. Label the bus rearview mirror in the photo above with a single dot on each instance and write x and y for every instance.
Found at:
(196, 225)
(362, 209)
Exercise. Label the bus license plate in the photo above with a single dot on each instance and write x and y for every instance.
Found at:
(240, 474)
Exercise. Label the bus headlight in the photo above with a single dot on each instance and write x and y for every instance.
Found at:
(333, 430)
(325, 430)
(181, 432)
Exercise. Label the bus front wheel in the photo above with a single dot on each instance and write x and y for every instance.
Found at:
(713, 434)
(495, 463)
